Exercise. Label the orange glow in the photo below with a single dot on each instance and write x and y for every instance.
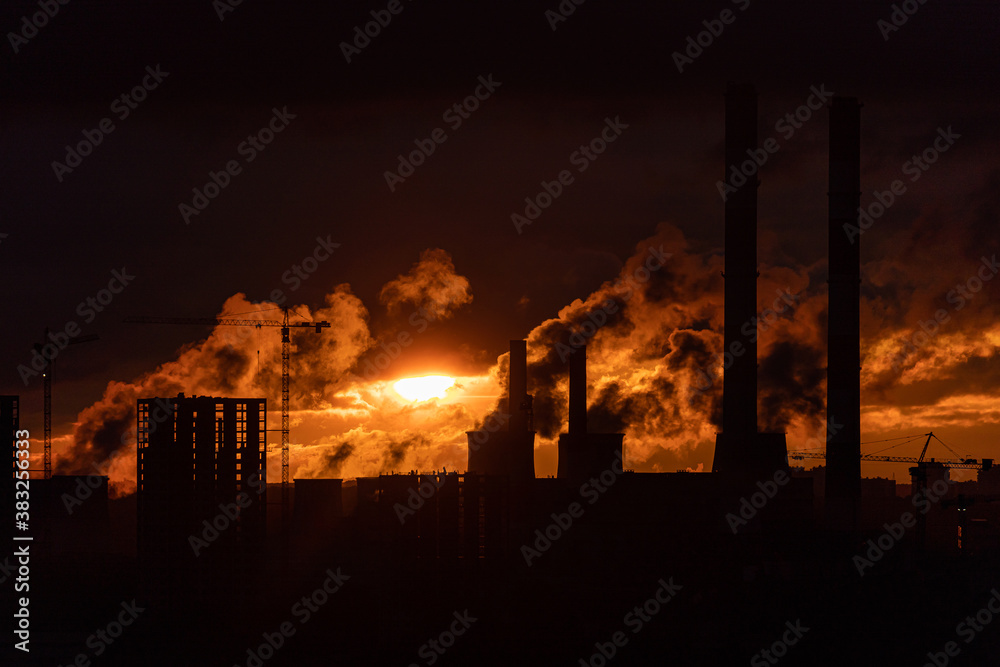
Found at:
(424, 388)
(645, 378)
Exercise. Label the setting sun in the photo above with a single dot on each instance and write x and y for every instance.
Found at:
(424, 388)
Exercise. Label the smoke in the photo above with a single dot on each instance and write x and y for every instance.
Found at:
(336, 458)
(792, 386)
(931, 306)
(330, 463)
(363, 452)
(396, 452)
(655, 359)
(431, 284)
(327, 397)
(222, 365)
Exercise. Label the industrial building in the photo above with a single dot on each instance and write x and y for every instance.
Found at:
(513, 504)
(755, 541)
(448, 517)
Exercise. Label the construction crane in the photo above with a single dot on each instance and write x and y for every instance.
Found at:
(285, 355)
(967, 463)
(47, 391)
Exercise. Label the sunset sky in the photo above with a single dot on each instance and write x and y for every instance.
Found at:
(435, 256)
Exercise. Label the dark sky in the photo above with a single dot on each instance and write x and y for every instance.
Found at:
(323, 175)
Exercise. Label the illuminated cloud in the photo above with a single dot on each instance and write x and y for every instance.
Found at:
(431, 284)
(654, 335)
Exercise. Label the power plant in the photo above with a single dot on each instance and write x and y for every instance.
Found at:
(743, 549)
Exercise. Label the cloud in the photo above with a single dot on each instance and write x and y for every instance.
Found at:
(430, 284)
(221, 365)
(654, 336)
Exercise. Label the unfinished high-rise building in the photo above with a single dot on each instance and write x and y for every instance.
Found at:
(201, 478)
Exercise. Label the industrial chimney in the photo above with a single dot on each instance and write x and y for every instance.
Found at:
(582, 454)
(843, 404)
(739, 383)
(517, 386)
(509, 451)
(578, 390)
(740, 449)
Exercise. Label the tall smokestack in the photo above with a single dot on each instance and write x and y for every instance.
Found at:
(584, 455)
(843, 404)
(578, 391)
(511, 451)
(517, 386)
(739, 381)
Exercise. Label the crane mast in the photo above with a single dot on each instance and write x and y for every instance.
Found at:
(285, 327)
(47, 397)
